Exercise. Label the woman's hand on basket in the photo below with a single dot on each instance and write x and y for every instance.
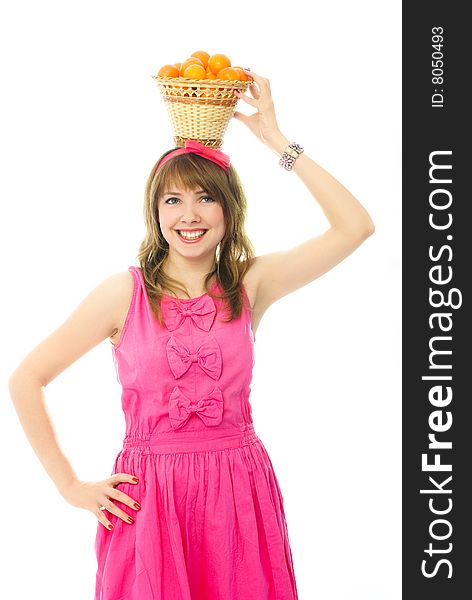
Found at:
(96, 495)
(262, 123)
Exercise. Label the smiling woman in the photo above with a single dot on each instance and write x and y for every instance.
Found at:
(193, 217)
(209, 518)
(185, 195)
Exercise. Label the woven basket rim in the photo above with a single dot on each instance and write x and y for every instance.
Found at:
(187, 80)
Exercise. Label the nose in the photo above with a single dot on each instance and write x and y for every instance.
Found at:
(189, 214)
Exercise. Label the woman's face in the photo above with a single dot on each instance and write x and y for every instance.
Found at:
(191, 211)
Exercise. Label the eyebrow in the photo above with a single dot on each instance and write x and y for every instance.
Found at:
(178, 193)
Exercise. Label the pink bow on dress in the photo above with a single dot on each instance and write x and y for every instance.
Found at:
(207, 357)
(202, 312)
(208, 407)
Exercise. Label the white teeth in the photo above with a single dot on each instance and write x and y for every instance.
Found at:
(192, 236)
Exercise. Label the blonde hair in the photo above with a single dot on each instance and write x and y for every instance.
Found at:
(236, 252)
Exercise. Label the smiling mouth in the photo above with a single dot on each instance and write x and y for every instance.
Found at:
(190, 235)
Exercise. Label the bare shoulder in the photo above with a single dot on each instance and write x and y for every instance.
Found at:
(94, 319)
(261, 282)
(122, 285)
(115, 292)
(112, 296)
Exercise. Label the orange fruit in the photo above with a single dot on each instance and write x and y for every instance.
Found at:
(177, 66)
(203, 56)
(228, 73)
(194, 72)
(190, 61)
(242, 74)
(195, 60)
(210, 75)
(216, 62)
(168, 71)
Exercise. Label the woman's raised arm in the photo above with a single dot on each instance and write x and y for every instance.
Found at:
(279, 273)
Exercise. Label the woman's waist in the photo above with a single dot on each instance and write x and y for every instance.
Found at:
(194, 440)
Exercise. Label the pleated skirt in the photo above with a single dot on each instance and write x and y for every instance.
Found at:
(211, 525)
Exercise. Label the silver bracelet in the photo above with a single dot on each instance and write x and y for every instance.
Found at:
(290, 155)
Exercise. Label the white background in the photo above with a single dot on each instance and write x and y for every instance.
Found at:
(82, 124)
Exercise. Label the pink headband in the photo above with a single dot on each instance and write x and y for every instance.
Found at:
(216, 156)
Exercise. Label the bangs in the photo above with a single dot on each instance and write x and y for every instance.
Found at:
(190, 172)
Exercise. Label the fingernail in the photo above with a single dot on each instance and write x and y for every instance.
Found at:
(135, 479)
(130, 519)
(137, 506)
(110, 526)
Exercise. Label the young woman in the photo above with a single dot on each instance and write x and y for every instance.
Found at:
(193, 508)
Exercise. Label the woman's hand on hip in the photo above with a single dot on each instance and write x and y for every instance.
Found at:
(262, 123)
(99, 495)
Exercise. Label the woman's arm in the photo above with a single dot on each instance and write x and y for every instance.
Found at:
(343, 211)
(280, 273)
(90, 323)
(28, 398)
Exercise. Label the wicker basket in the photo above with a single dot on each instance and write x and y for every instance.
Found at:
(199, 109)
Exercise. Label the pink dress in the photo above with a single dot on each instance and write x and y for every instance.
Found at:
(212, 523)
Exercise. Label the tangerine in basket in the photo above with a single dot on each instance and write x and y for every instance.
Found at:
(216, 62)
(242, 74)
(203, 56)
(168, 71)
(228, 73)
(193, 60)
(194, 71)
(202, 65)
